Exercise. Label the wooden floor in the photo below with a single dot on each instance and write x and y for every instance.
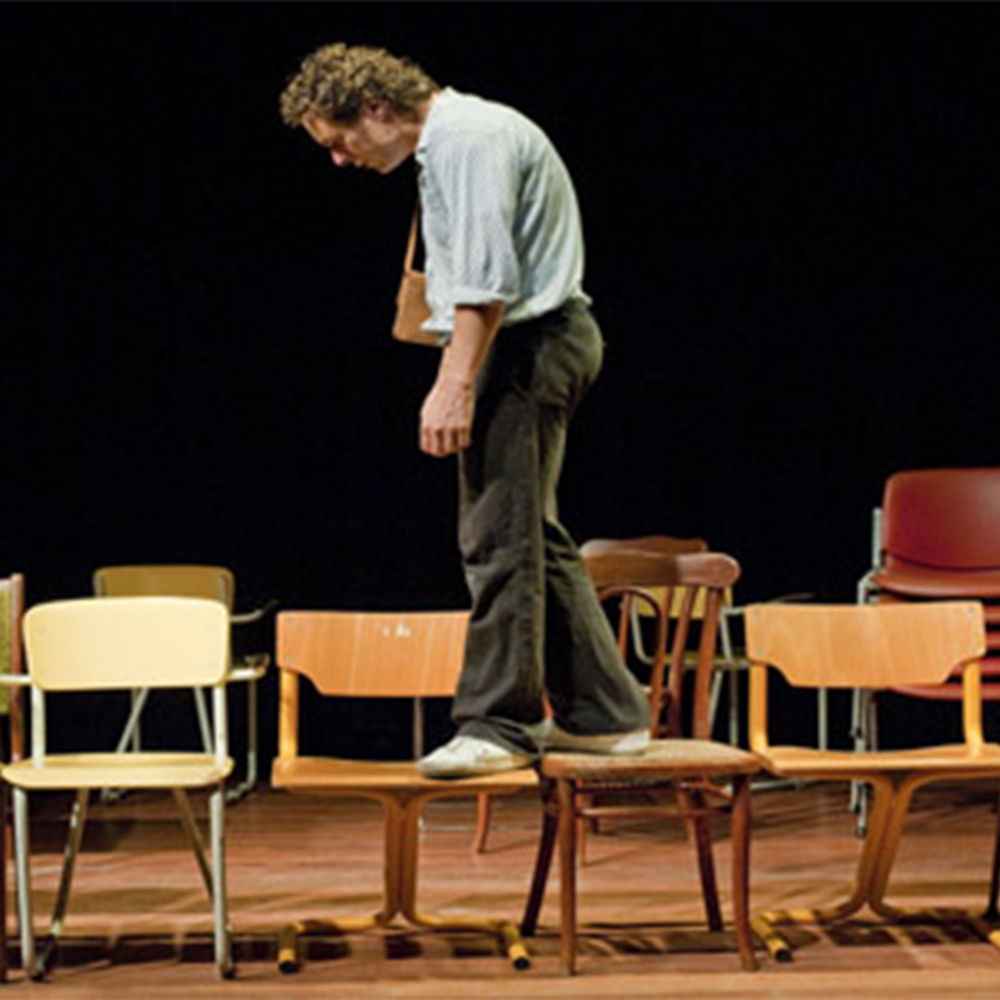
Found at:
(139, 924)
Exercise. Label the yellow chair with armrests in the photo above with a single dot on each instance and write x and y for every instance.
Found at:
(101, 644)
(212, 583)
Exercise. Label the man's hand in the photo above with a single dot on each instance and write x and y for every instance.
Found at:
(446, 416)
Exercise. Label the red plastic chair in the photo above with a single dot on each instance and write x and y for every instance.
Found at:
(940, 540)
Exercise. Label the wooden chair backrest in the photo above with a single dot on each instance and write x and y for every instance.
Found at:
(11, 657)
(410, 654)
(667, 545)
(213, 582)
(865, 646)
(664, 545)
(652, 578)
(104, 643)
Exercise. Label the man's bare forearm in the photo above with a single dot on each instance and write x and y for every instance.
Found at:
(446, 416)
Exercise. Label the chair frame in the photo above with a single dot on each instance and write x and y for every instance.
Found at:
(777, 640)
(926, 497)
(12, 597)
(689, 767)
(378, 661)
(87, 772)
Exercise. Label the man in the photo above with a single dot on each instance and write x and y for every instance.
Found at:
(504, 252)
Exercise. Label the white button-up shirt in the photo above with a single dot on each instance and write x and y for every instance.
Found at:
(500, 218)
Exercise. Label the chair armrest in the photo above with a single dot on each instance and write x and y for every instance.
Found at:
(15, 680)
(248, 617)
(738, 610)
(254, 667)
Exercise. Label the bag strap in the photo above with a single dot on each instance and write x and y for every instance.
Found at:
(411, 243)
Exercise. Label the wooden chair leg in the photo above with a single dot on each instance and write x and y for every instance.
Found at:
(991, 904)
(740, 835)
(484, 813)
(543, 864)
(567, 875)
(692, 804)
(3, 881)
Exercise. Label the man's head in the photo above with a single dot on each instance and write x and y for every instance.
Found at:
(363, 105)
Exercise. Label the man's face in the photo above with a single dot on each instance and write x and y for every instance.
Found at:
(378, 140)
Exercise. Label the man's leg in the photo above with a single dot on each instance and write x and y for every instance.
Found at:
(535, 621)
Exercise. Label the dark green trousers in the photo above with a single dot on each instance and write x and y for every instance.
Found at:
(536, 626)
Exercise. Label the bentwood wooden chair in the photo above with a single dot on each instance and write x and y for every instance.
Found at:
(345, 655)
(876, 647)
(698, 776)
(215, 583)
(11, 740)
(632, 616)
(101, 644)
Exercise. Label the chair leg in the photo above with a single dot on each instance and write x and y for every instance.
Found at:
(77, 823)
(130, 739)
(567, 875)
(249, 783)
(223, 938)
(740, 833)
(22, 847)
(991, 904)
(204, 726)
(543, 863)
(194, 839)
(3, 881)
(692, 805)
(484, 813)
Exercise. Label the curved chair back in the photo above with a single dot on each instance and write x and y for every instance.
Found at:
(370, 654)
(214, 582)
(103, 643)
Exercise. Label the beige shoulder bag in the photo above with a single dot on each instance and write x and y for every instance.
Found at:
(411, 302)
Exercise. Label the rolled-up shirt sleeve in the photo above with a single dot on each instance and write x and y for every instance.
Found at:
(499, 213)
(479, 187)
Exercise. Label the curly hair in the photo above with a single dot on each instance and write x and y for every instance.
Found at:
(336, 81)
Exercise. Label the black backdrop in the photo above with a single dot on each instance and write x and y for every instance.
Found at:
(791, 220)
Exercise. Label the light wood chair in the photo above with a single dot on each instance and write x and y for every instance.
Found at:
(212, 583)
(100, 644)
(700, 777)
(11, 741)
(936, 537)
(875, 648)
(379, 655)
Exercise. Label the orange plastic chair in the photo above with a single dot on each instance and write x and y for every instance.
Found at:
(379, 655)
(702, 777)
(879, 647)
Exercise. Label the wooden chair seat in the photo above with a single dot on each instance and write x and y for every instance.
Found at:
(684, 759)
(956, 760)
(350, 777)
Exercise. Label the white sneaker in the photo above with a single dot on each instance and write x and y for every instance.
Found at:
(466, 757)
(630, 744)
